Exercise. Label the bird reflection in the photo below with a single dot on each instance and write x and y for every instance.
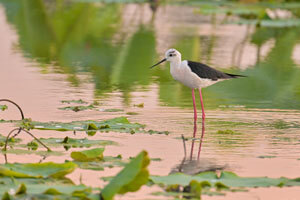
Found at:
(194, 166)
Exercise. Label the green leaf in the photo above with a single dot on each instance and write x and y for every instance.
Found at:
(80, 101)
(266, 156)
(88, 155)
(26, 151)
(21, 190)
(3, 107)
(113, 110)
(78, 108)
(52, 191)
(226, 179)
(130, 179)
(119, 124)
(107, 161)
(32, 145)
(73, 142)
(6, 196)
(37, 170)
(11, 141)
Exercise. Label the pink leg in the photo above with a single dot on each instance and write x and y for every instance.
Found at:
(195, 122)
(203, 123)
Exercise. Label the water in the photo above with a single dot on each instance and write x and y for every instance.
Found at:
(53, 51)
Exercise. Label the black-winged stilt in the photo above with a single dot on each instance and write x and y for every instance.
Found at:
(195, 76)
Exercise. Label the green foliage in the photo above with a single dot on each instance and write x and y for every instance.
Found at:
(80, 101)
(130, 179)
(227, 132)
(113, 110)
(37, 170)
(119, 124)
(18, 151)
(225, 180)
(11, 141)
(99, 165)
(274, 23)
(3, 107)
(88, 155)
(266, 156)
(68, 142)
(78, 108)
(32, 145)
(21, 190)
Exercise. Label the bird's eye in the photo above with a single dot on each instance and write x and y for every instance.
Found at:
(170, 55)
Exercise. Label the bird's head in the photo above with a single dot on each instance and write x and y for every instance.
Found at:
(171, 55)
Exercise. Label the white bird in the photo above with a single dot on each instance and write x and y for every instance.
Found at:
(195, 76)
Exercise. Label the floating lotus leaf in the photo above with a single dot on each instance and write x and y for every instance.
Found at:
(78, 108)
(44, 189)
(227, 179)
(129, 179)
(37, 170)
(80, 101)
(107, 161)
(26, 151)
(119, 124)
(88, 155)
(73, 142)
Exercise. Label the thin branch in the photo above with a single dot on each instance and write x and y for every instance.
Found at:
(10, 101)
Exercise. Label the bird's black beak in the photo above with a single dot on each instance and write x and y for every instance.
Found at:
(163, 60)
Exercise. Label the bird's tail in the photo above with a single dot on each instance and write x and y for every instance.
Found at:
(235, 75)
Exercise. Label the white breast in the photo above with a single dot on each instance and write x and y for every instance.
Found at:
(184, 74)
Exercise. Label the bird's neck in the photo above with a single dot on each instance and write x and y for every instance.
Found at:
(176, 63)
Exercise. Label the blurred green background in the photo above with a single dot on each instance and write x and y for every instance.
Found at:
(117, 41)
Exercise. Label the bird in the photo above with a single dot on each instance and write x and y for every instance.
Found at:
(194, 75)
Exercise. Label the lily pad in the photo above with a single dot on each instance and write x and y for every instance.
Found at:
(119, 124)
(113, 110)
(266, 156)
(37, 170)
(26, 151)
(88, 155)
(80, 101)
(227, 179)
(73, 142)
(107, 161)
(27, 188)
(77, 108)
(130, 179)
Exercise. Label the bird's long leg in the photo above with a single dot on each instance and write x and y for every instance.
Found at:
(203, 123)
(195, 122)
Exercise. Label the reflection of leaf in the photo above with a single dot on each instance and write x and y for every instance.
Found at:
(130, 179)
(37, 170)
(88, 155)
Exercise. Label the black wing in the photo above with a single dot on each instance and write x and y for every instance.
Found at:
(204, 71)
